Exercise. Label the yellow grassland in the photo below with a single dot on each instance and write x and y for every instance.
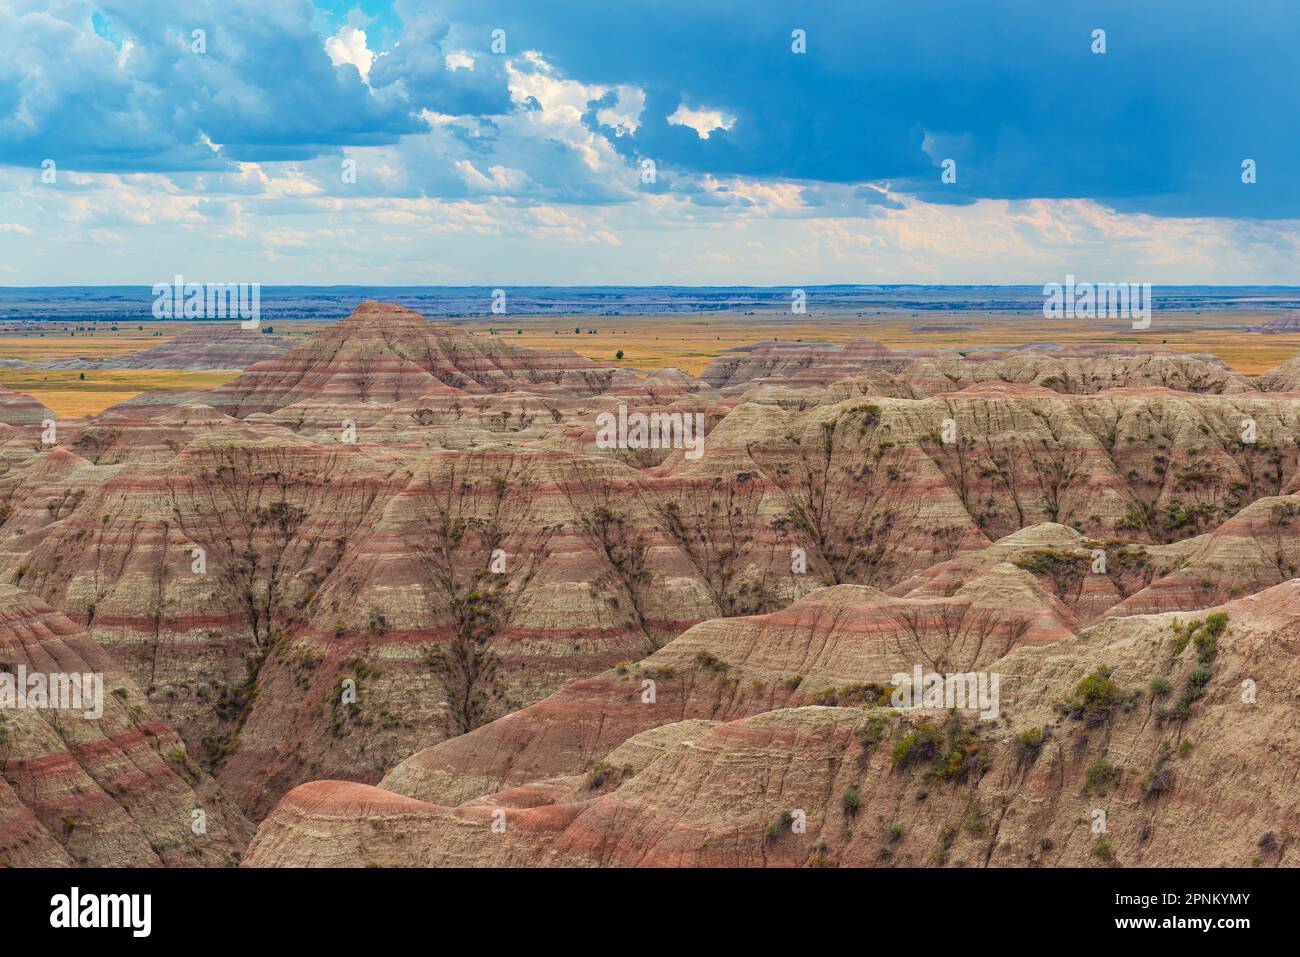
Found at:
(692, 342)
(64, 393)
(688, 342)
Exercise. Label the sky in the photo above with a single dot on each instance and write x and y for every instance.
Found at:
(587, 142)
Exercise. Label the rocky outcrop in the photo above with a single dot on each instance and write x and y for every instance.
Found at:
(113, 788)
(23, 412)
(1253, 550)
(1281, 378)
(193, 350)
(830, 646)
(1090, 576)
(1116, 768)
(384, 354)
(391, 575)
(913, 374)
(804, 366)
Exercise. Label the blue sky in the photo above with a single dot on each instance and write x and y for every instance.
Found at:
(525, 165)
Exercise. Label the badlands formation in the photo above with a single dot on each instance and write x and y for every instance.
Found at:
(383, 599)
(192, 350)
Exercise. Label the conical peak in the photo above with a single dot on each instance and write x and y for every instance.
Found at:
(386, 313)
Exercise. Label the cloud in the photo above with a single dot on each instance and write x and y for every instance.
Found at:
(135, 88)
(1011, 91)
(499, 180)
(416, 73)
(825, 165)
(704, 121)
(619, 110)
(349, 46)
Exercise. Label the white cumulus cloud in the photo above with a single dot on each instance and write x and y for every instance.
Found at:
(349, 46)
(703, 121)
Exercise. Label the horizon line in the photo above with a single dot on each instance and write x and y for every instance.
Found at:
(777, 286)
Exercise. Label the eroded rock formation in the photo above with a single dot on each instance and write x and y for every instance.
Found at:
(388, 583)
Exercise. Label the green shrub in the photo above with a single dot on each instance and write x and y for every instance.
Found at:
(711, 662)
(871, 733)
(603, 774)
(964, 752)
(1207, 638)
(1183, 634)
(1197, 679)
(1095, 697)
(1045, 561)
(1028, 743)
(953, 751)
(946, 838)
(1205, 635)
(1160, 686)
(1101, 775)
(851, 801)
(920, 744)
(865, 694)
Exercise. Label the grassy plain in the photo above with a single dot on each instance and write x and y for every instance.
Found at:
(688, 342)
(692, 342)
(64, 393)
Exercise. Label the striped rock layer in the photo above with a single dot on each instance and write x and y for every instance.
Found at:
(117, 789)
(320, 524)
(870, 786)
(215, 346)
